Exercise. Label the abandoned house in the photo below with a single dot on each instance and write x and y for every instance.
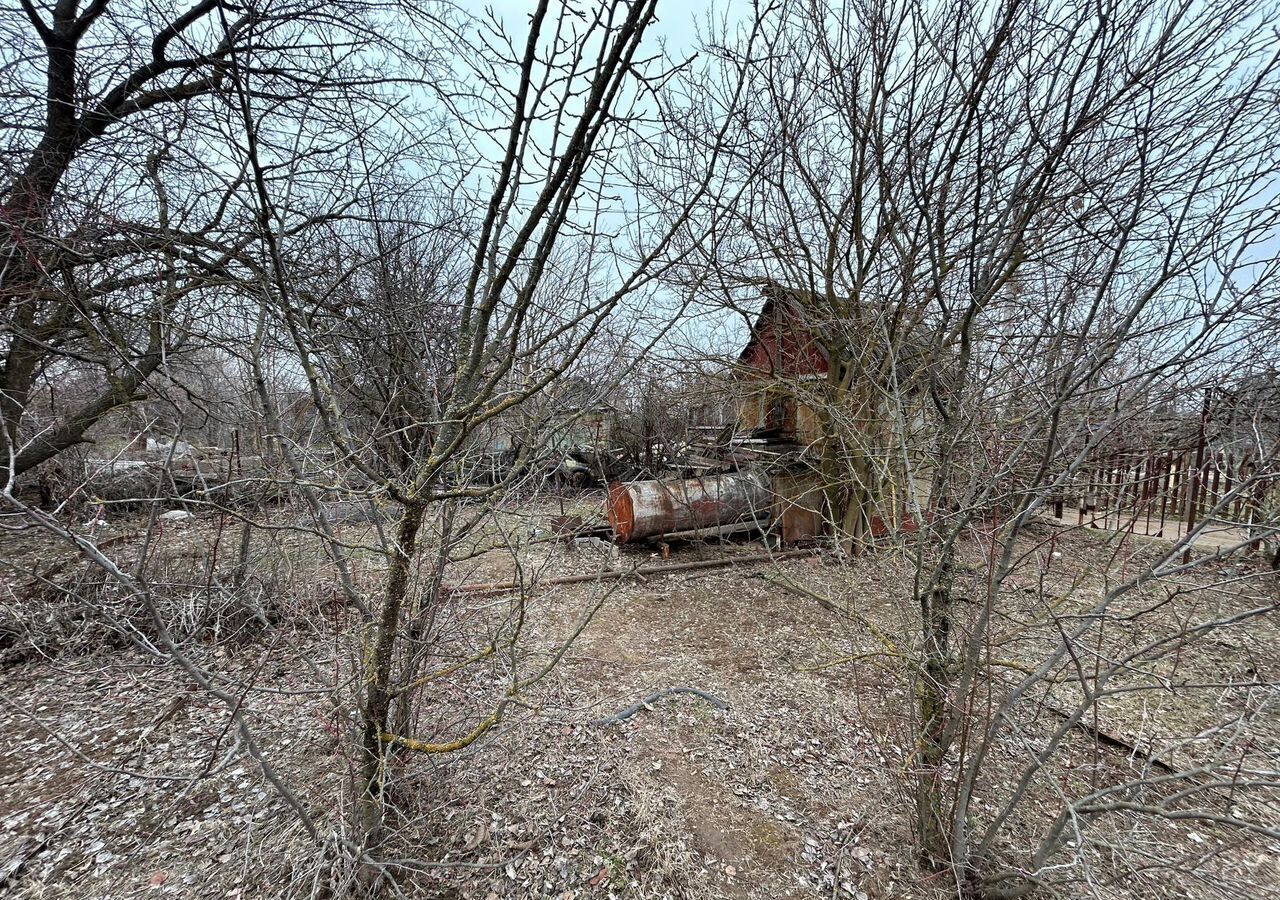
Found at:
(799, 423)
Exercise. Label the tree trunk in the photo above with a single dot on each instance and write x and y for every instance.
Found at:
(378, 657)
(934, 706)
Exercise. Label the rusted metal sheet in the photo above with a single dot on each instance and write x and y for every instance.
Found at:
(642, 509)
(800, 524)
(799, 502)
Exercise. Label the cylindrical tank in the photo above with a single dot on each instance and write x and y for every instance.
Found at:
(641, 509)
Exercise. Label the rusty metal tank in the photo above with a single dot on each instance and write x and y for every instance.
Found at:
(641, 509)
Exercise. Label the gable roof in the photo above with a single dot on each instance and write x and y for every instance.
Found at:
(792, 306)
(780, 339)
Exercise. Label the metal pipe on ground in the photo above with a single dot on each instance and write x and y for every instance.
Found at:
(642, 509)
(640, 572)
(720, 531)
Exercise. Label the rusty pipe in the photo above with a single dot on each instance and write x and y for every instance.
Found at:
(641, 509)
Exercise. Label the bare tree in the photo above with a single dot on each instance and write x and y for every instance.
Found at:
(1002, 224)
(123, 234)
(415, 250)
(455, 348)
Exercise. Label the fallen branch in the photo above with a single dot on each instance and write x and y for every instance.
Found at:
(1110, 740)
(658, 695)
(641, 572)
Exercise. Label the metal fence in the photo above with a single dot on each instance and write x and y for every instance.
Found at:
(1166, 493)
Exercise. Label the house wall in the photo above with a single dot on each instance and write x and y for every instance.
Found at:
(767, 404)
(808, 425)
(781, 387)
(781, 354)
(784, 349)
(772, 404)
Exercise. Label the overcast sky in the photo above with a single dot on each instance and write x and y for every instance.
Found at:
(676, 31)
(675, 25)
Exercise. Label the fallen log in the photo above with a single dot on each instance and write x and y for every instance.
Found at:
(640, 572)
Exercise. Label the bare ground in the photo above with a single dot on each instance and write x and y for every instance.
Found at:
(118, 780)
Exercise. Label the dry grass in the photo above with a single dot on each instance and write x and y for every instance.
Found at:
(118, 781)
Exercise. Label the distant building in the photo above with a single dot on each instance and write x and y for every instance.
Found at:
(797, 388)
(781, 354)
